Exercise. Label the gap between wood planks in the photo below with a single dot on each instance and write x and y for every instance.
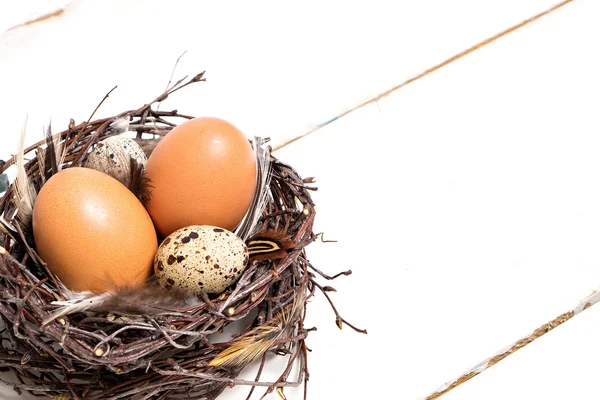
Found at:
(501, 355)
(56, 13)
(428, 71)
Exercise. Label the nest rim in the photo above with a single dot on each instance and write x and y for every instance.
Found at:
(151, 358)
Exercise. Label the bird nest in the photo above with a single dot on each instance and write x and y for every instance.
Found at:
(119, 350)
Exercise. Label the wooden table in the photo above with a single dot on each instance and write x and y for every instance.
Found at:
(467, 202)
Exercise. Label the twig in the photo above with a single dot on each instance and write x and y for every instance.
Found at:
(324, 275)
(338, 318)
(258, 374)
(85, 125)
(171, 77)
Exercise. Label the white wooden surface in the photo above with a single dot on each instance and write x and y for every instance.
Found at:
(561, 365)
(466, 203)
(273, 69)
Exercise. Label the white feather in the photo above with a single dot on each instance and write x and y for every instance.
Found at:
(247, 228)
(148, 300)
(59, 151)
(120, 125)
(41, 158)
(4, 222)
(24, 191)
(82, 302)
(7, 227)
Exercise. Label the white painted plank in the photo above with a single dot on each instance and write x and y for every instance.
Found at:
(560, 365)
(273, 69)
(471, 190)
(472, 200)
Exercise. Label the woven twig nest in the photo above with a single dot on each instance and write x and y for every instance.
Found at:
(113, 353)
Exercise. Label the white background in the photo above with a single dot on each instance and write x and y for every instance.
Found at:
(467, 203)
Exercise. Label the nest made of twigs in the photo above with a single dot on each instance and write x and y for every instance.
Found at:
(115, 354)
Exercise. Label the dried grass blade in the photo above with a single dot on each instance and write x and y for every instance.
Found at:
(260, 339)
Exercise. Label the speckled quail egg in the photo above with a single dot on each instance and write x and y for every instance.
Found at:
(200, 258)
(112, 156)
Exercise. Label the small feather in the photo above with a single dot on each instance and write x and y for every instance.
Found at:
(139, 183)
(249, 348)
(50, 152)
(41, 158)
(149, 300)
(120, 125)
(259, 340)
(7, 228)
(25, 193)
(270, 245)
(55, 152)
(249, 224)
(61, 150)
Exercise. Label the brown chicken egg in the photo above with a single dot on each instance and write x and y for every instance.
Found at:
(93, 232)
(203, 172)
